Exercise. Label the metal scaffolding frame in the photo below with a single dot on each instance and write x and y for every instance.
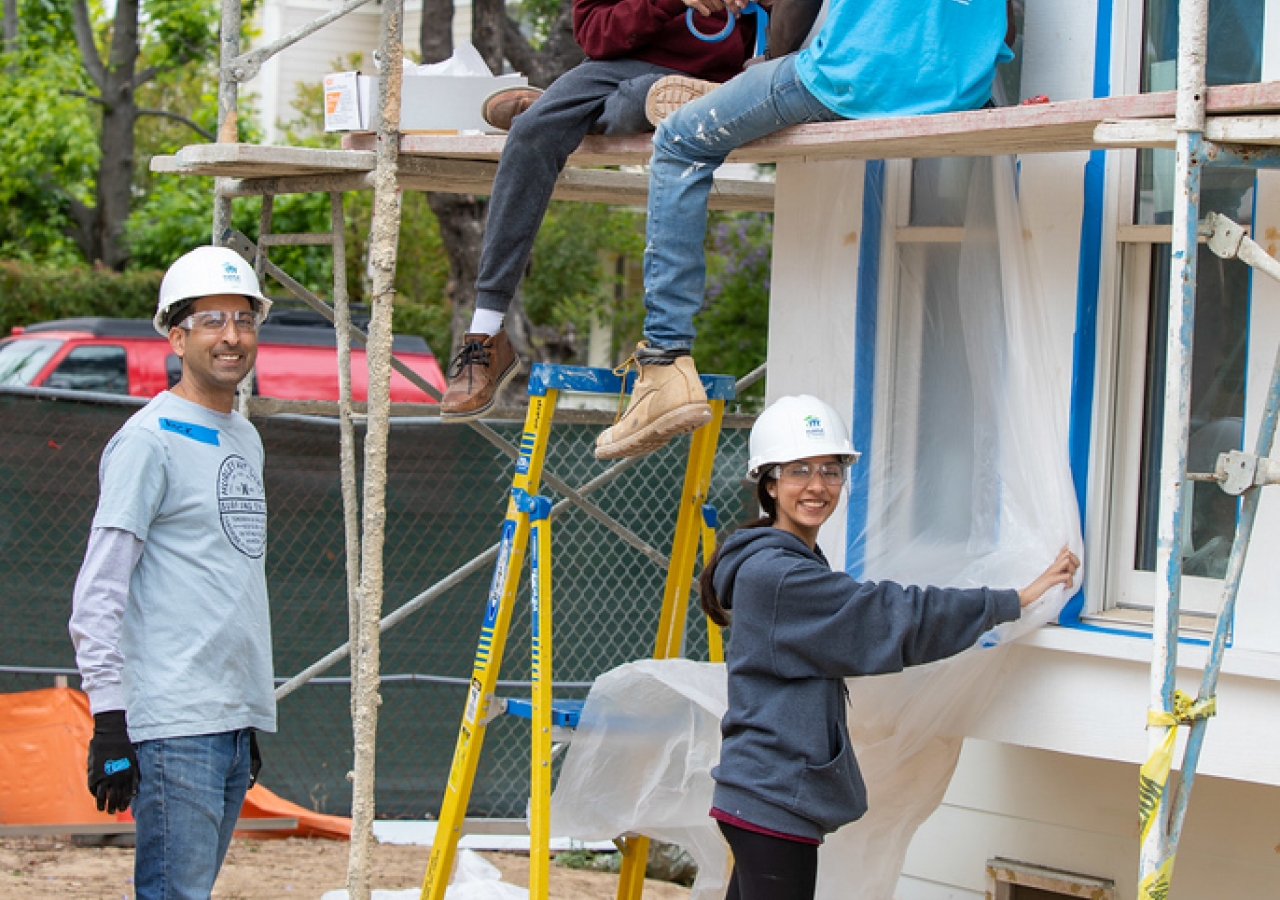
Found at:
(1251, 141)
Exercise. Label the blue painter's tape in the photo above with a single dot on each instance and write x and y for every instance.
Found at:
(1088, 283)
(864, 366)
(592, 380)
(709, 517)
(199, 433)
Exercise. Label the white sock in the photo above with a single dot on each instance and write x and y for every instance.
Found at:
(486, 321)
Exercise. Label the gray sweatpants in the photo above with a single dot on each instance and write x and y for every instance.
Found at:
(594, 97)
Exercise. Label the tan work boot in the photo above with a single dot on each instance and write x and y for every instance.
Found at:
(503, 105)
(481, 369)
(667, 400)
(672, 92)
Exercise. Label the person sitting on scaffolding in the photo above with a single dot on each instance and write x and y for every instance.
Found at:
(787, 775)
(630, 46)
(869, 59)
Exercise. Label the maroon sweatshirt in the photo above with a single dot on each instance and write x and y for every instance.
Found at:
(655, 31)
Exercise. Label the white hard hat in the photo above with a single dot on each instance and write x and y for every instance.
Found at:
(204, 272)
(794, 428)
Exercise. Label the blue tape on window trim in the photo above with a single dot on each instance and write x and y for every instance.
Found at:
(1088, 283)
(190, 430)
(864, 365)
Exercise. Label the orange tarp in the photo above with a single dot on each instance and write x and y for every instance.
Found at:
(44, 749)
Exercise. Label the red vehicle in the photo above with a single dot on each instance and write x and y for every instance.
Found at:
(127, 356)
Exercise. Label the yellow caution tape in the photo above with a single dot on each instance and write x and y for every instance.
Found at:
(1155, 771)
(1156, 885)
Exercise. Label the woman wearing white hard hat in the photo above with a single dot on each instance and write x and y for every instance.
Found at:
(787, 775)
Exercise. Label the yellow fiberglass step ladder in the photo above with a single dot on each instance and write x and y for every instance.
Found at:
(528, 522)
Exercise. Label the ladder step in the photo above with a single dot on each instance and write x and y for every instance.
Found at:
(593, 380)
(564, 713)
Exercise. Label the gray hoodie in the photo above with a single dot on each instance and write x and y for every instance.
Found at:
(798, 630)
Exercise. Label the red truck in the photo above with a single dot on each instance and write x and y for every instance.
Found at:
(127, 356)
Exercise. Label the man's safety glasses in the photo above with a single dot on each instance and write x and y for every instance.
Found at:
(212, 321)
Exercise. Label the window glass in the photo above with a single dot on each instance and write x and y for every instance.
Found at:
(21, 360)
(1235, 57)
(101, 369)
(1222, 295)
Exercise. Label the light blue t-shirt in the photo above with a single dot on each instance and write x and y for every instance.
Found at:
(877, 58)
(196, 641)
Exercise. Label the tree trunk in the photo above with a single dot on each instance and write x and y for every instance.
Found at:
(100, 231)
(462, 217)
(10, 26)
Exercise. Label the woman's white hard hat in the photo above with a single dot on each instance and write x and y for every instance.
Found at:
(794, 428)
(205, 272)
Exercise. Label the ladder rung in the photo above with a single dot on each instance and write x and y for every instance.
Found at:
(564, 713)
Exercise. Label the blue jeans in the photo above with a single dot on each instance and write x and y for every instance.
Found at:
(188, 801)
(687, 149)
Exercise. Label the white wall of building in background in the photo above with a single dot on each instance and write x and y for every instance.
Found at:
(307, 62)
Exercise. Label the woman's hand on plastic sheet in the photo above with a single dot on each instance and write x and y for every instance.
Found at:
(1061, 571)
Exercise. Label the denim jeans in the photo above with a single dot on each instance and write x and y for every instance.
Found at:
(687, 149)
(595, 97)
(188, 801)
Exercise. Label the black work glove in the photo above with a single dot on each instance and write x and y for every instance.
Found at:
(113, 766)
(255, 758)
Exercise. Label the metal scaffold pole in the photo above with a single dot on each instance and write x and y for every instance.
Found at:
(1158, 843)
(383, 241)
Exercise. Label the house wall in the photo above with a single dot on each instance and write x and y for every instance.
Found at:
(1028, 805)
(308, 61)
(1049, 773)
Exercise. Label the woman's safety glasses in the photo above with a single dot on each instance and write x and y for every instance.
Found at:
(831, 473)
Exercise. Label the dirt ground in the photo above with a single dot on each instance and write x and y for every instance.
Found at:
(292, 869)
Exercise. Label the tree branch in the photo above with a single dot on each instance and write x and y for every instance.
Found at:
(84, 40)
(92, 98)
(165, 114)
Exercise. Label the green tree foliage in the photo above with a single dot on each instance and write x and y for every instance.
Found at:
(572, 276)
(733, 327)
(34, 293)
(48, 136)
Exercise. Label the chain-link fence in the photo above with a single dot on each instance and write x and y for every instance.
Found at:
(446, 496)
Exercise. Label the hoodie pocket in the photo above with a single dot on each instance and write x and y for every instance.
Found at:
(832, 794)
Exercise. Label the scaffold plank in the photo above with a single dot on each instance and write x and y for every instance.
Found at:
(254, 170)
(1242, 113)
(1039, 128)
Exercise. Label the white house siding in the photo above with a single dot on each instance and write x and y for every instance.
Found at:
(1049, 774)
(1031, 805)
(309, 60)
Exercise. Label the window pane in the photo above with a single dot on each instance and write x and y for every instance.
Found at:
(939, 191)
(1235, 57)
(21, 360)
(1217, 408)
(101, 369)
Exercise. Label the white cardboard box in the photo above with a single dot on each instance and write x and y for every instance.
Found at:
(429, 103)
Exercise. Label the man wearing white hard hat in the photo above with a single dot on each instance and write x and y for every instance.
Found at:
(169, 617)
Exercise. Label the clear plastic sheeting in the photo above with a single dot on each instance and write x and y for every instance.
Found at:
(969, 485)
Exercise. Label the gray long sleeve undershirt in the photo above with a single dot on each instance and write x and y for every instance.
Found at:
(97, 615)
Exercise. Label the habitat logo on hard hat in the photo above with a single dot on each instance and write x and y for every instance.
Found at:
(813, 427)
(230, 273)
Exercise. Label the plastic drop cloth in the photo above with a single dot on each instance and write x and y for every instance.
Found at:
(969, 485)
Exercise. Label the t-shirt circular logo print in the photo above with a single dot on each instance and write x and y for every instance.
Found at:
(242, 505)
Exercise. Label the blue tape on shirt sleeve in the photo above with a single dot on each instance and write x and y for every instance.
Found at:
(201, 433)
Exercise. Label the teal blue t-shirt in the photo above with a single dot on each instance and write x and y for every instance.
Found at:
(878, 58)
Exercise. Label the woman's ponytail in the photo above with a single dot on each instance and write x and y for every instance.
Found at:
(706, 587)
